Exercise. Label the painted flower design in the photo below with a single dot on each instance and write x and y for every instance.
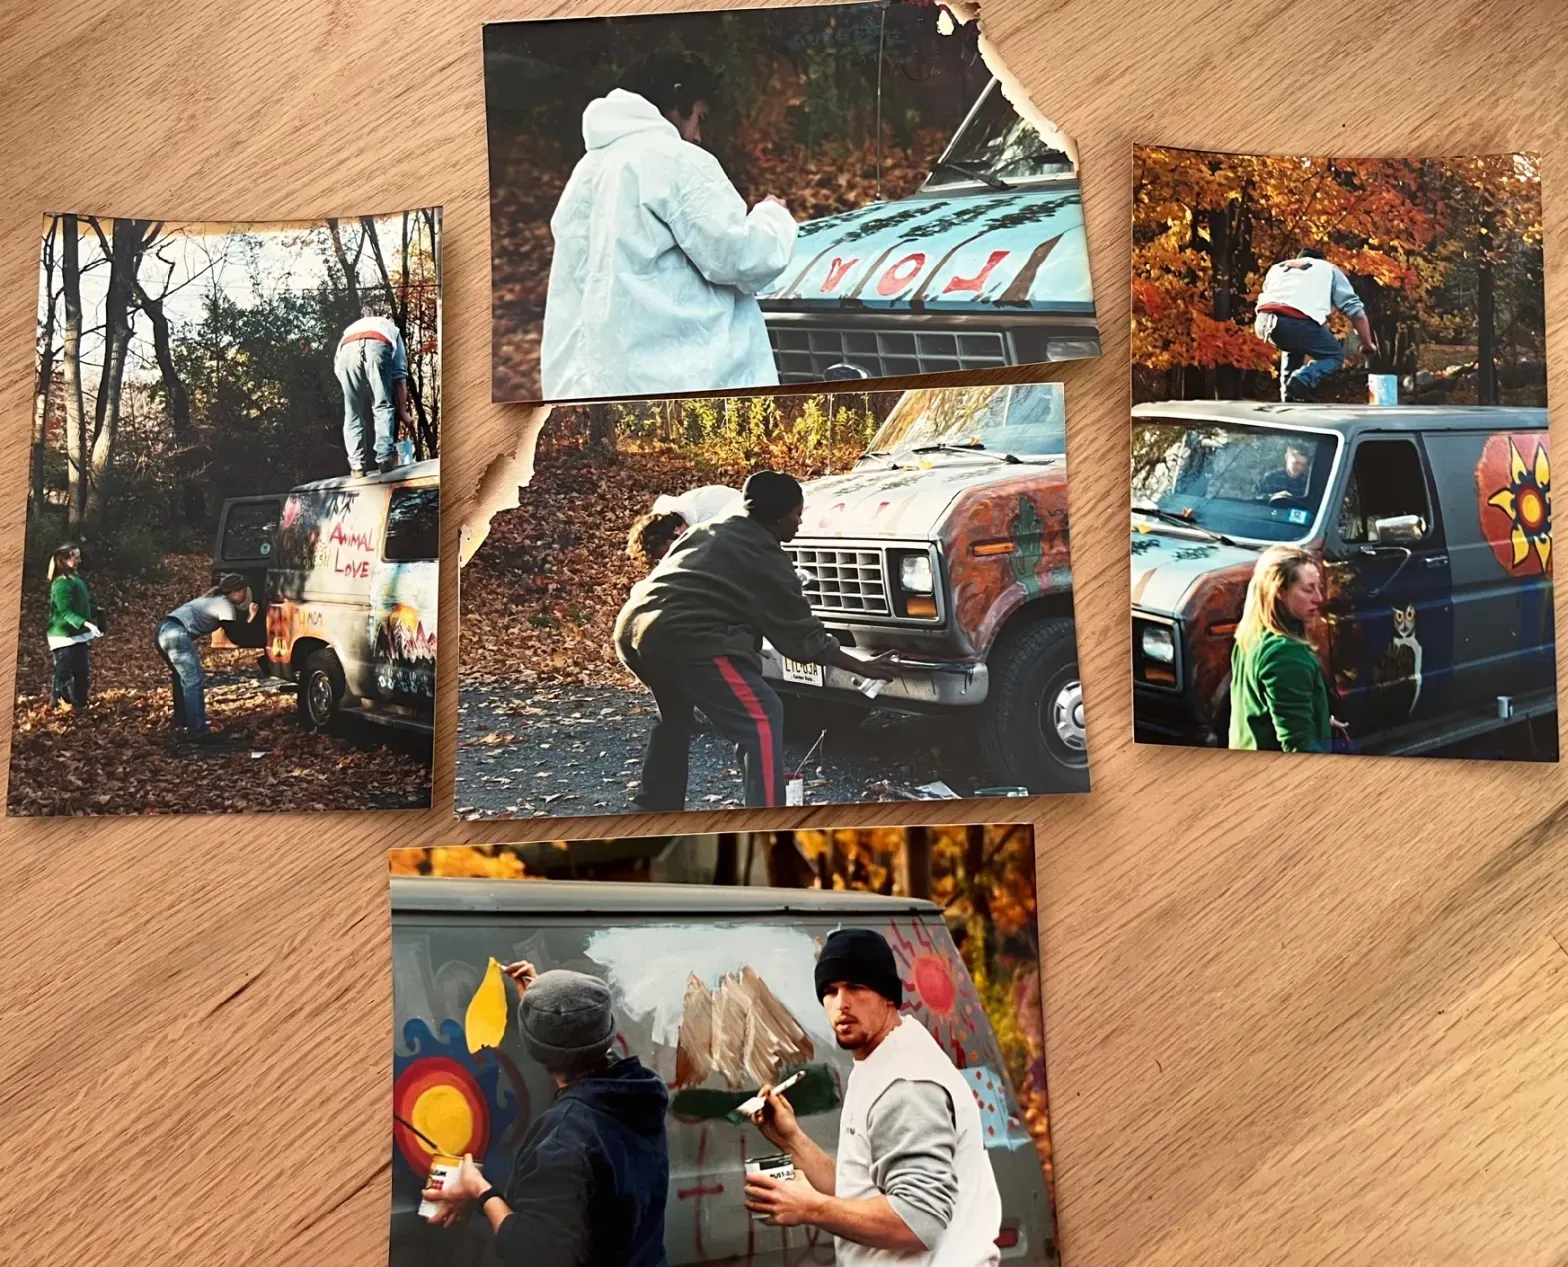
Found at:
(1527, 501)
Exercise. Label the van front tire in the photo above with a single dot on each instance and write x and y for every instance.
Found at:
(1031, 724)
(321, 690)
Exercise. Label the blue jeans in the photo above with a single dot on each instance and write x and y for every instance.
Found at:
(364, 369)
(185, 676)
(70, 681)
(1298, 340)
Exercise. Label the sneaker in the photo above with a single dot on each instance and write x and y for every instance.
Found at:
(1297, 394)
(387, 467)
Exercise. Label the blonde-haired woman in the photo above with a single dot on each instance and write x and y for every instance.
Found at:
(1278, 697)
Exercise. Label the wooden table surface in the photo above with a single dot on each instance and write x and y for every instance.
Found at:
(1297, 1010)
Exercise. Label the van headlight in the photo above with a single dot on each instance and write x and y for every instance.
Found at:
(914, 574)
(1159, 644)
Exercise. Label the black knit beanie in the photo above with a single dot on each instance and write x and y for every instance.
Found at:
(770, 495)
(860, 957)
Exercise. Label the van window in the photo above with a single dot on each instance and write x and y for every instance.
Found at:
(248, 529)
(413, 525)
(1386, 481)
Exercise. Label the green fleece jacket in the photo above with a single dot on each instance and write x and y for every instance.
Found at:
(70, 606)
(1278, 698)
(722, 588)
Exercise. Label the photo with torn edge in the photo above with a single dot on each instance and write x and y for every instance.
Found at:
(1341, 476)
(867, 596)
(771, 1047)
(726, 200)
(230, 580)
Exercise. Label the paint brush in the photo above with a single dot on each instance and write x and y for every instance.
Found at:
(435, 1147)
(747, 1107)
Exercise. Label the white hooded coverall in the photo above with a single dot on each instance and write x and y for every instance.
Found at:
(657, 265)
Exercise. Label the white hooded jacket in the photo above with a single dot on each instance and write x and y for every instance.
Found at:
(657, 265)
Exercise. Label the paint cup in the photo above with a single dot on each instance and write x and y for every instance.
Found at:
(780, 1166)
(871, 687)
(405, 452)
(794, 787)
(442, 1168)
(1382, 389)
(1505, 707)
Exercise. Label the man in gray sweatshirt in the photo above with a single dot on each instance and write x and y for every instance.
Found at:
(1292, 314)
(692, 631)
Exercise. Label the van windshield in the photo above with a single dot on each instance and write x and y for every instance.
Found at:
(1029, 420)
(997, 147)
(1257, 482)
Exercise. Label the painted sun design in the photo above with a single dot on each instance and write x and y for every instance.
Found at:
(1527, 501)
(938, 991)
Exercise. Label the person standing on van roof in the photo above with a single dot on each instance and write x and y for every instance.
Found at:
(372, 368)
(653, 284)
(692, 630)
(592, 1176)
(227, 603)
(71, 629)
(1293, 313)
(912, 1184)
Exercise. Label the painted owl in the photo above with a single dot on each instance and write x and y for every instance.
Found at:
(1396, 678)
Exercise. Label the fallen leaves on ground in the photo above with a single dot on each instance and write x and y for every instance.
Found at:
(118, 756)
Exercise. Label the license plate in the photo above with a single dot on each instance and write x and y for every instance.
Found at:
(805, 674)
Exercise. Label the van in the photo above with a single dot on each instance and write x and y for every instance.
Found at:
(985, 265)
(664, 949)
(1433, 526)
(948, 543)
(346, 574)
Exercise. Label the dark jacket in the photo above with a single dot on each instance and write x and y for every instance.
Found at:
(722, 588)
(592, 1176)
(1278, 698)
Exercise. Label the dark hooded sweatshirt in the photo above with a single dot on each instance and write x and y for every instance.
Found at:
(592, 1176)
(723, 586)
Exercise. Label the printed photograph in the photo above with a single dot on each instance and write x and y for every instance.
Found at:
(733, 199)
(786, 1047)
(233, 518)
(1341, 473)
(787, 600)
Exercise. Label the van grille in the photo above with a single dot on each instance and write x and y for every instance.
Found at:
(806, 354)
(843, 579)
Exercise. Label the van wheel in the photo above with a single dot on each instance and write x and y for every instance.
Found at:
(806, 716)
(321, 689)
(1031, 730)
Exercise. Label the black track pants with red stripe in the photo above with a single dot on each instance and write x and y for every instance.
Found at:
(741, 706)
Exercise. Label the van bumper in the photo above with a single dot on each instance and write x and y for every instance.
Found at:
(933, 685)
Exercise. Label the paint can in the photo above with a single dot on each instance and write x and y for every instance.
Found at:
(1382, 389)
(780, 1166)
(405, 452)
(794, 787)
(1505, 707)
(442, 1168)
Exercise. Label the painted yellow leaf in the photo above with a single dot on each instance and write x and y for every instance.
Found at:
(485, 1023)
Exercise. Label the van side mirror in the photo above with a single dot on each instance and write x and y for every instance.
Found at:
(1398, 530)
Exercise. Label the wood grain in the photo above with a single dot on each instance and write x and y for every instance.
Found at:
(1298, 1010)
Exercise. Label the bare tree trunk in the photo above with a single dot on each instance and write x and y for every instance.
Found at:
(422, 434)
(400, 315)
(350, 280)
(125, 254)
(726, 866)
(44, 380)
(601, 431)
(917, 862)
(71, 352)
(1486, 333)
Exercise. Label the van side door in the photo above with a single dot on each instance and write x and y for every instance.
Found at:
(1495, 490)
(1388, 604)
(246, 537)
(404, 590)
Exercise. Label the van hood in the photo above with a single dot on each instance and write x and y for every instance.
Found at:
(905, 504)
(1022, 251)
(1165, 567)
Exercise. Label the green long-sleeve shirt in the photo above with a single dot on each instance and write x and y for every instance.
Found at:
(722, 588)
(1278, 698)
(70, 605)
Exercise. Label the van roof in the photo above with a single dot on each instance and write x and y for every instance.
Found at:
(559, 897)
(1344, 417)
(430, 468)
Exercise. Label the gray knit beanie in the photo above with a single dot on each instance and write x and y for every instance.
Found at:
(565, 1017)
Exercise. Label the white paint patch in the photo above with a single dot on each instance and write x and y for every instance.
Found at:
(648, 969)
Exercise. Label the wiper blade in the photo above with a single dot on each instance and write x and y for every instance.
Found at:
(1183, 521)
(974, 173)
(976, 447)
